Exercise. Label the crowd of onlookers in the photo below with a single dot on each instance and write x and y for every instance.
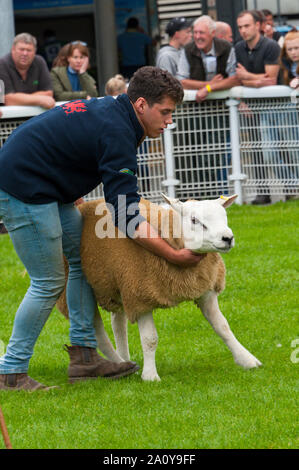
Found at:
(203, 55)
(28, 81)
(36, 79)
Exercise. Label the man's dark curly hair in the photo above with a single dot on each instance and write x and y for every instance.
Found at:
(154, 85)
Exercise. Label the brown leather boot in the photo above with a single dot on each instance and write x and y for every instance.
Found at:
(86, 363)
(20, 382)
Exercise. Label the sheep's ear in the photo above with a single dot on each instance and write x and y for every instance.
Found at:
(227, 201)
(176, 204)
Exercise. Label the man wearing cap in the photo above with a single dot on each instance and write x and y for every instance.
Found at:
(180, 34)
(207, 64)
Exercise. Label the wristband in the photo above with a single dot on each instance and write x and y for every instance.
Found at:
(208, 87)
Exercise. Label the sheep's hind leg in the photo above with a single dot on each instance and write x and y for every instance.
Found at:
(208, 304)
(149, 342)
(119, 324)
(104, 343)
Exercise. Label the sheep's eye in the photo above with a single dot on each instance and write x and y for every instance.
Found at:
(196, 221)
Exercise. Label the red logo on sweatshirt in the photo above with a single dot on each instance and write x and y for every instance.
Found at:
(74, 107)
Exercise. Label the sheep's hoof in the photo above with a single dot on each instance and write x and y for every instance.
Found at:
(150, 377)
(248, 361)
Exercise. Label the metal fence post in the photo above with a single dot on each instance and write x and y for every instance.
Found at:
(170, 181)
(237, 177)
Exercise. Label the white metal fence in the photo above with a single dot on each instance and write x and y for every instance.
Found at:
(265, 141)
(269, 144)
(243, 141)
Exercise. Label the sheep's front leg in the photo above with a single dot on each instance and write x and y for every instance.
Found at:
(104, 343)
(119, 326)
(149, 342)
(208, 304)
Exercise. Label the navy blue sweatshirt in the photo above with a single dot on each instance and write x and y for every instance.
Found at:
(66, 152)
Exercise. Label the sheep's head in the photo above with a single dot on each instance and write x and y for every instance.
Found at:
(204, 224)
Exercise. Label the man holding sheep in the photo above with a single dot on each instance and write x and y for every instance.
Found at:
(48, 163)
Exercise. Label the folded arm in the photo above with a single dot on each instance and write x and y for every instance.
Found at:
(257, 80)
(40, 98)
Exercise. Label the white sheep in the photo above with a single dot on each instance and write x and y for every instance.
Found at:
(130, 281)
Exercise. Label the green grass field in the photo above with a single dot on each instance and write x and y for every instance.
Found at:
(204, 400)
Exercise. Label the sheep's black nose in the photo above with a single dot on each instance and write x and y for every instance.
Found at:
(228, 240)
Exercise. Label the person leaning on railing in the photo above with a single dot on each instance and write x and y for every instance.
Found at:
(25, 75)
(207, 63)
(289, 59)
(180, 34)
(258, 66)
(257, 56)
(72, 81)
(289, 62)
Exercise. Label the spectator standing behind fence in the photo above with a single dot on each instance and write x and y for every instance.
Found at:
(25, 75)
(258, 66)
(289, 59)
(72, 81)
(269, 29)
(180, 33)
(224, 31)
(132, 45)
(207, 63)
(257, 56)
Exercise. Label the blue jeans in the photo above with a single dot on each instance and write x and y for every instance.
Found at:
(41, 234)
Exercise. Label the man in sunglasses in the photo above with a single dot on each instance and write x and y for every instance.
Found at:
(25, 75)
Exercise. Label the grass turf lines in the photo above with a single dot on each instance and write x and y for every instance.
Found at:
(204, 400)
